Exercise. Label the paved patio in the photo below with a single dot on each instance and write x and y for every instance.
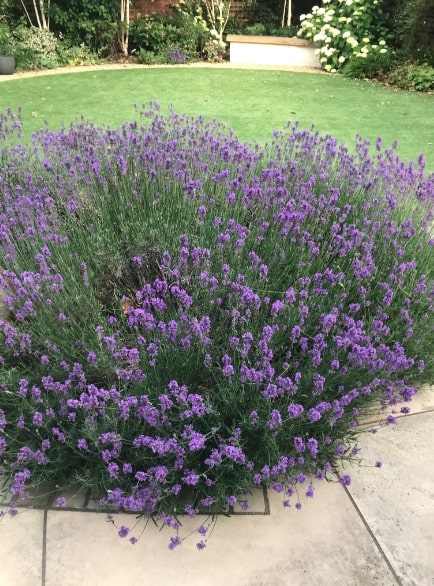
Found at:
(377, 531)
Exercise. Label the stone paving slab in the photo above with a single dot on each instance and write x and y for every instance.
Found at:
(397, 501)
(21, 548)
(326, 543)
(422, 402)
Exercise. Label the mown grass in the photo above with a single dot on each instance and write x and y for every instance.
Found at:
(252, 102)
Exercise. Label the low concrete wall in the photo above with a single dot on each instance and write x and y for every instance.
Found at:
(258, 50)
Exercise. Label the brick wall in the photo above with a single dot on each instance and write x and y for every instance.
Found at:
(150, 7)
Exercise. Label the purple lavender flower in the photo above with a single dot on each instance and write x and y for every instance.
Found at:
(37, 419)
(123, 531)
(345, 480)
(276, 297)
(310, 492)
(82, 444)
(174, 542)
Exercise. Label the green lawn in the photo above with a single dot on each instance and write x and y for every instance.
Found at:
(252, 102)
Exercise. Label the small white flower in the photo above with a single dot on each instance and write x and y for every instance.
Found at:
(382, 42)
(302, 16)
(346, 35)
(342, 59)
(383, 51)
(328, 67)
(365, 40)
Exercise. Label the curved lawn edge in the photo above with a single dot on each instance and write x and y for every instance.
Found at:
(136, 66)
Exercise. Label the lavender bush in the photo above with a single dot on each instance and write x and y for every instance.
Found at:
(188, 317)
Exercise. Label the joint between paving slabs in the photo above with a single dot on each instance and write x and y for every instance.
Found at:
(374, 539)
(44, 548)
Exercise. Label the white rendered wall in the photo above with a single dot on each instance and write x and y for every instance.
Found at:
(280, 51)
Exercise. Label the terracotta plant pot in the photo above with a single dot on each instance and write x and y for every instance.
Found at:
(7, 65)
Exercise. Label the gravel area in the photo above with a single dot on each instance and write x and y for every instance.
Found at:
(199, 64)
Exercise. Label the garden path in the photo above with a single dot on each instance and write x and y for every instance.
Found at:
(199, 64)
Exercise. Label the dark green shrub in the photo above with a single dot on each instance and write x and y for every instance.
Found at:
(90, 22)
(73, 55)
(6, 43)
(266, 14)
(9, 12)
(172, 55)
(235, 26)
(256, 29)
(145, 57)
(151, 34)
(284, 31)
(414, 24)
(372, 65)
(424, 56)
(160, 32)
(411, 76)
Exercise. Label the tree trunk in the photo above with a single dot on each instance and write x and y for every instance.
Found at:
(125, 24)
(287, 10)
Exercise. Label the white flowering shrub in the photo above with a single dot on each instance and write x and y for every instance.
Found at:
(344, 29)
